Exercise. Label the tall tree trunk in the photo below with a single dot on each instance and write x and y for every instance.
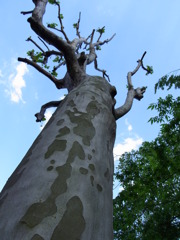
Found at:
(62, 189)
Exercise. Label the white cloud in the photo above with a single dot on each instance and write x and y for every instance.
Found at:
(128, 125)
(16, 83)
(126, 146)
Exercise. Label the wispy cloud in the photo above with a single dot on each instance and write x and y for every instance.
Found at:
(1, 75)
(128, 125)
(127, 145)
(17, 82)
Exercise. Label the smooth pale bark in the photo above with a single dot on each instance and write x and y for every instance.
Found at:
(62, 189)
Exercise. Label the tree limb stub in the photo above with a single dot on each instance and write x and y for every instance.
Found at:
(40, 115)
(26, 12)
(132, 93)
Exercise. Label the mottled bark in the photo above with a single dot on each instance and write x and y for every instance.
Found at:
(63, 187)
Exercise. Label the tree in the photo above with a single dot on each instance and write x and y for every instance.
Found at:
(148, 206)
(62, 189)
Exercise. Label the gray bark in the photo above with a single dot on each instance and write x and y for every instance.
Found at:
(62, 189)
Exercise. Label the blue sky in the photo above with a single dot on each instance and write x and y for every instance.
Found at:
(140, 25)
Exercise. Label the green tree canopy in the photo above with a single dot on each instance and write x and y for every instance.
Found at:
(148, 206)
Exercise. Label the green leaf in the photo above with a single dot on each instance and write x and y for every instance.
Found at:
(52, 25)
(61, 16)
(75, 25)
(101, 30)
(51, 1)
(57, 59)
(149, 70)
(47, 67)
(98, 48)
(30, 53)
(54, 73)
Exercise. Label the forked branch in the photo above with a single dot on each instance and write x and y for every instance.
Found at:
(132, 93)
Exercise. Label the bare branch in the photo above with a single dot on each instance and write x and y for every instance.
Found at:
(77, 26)
(130, 74)
(59, 65)
(31, 40)
(59, 83)
(43, 43)
(140, 63)
(105, 41)
(92, 36)
(52, 52)
(132, 93)
(28, 12)
(60, 20)
(103, 71)
(40, 115)
(89, 36)
(78, 42)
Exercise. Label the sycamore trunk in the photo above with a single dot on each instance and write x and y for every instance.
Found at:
(62, 189)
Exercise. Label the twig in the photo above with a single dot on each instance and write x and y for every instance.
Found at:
(77, 26)
(105, 41)
(61, 24)
(103, 71)
(30, 39)
(130, 74)
(100, 34)
(43, 43)
(28, 12)
(92, 36)
(59, 65)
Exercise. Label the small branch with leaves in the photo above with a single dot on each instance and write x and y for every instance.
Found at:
(76, 26)
(67, 52)
(59, 83)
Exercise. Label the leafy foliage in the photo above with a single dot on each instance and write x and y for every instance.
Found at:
(35, 56)
(61, 16)
(148, 206)
(75, 25)
(52, 25)
(101, 30)
(53, 2)
(149, 70)
(168, 82)
(57, 59)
